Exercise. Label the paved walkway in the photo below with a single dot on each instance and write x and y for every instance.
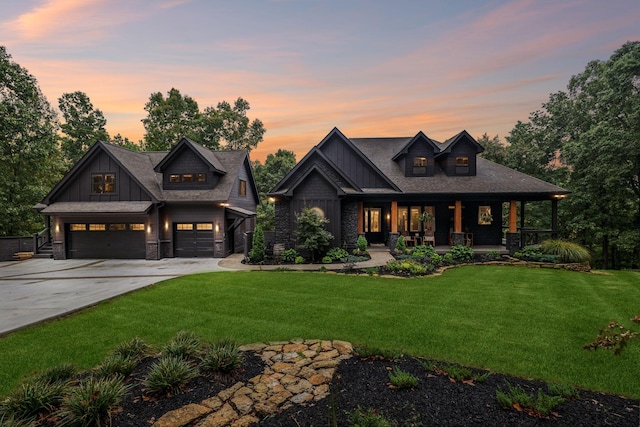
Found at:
(36, 290)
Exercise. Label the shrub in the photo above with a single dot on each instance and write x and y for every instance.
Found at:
(33, 398)
(401, 245)
(257, 253)
(361, 244)
(136, 349)
(461, 253)
(542, 402)
(116, 365)
(58, 374)
(367, 352)
(425, 251)
(223, 356)
(289, 255)
(300, 260)
(368, 418)
(562, 390)
(567, 252)
(448, 258)
(337, 254)
(409, 266)
(327, 260)
(311, 232)
(371, 271)
(90, 402)
(184, 344)
(402, 379)
(169, 375)
(491, 256)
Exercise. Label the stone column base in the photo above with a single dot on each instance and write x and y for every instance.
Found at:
(513, 243)
(457, 239)
(393, 240)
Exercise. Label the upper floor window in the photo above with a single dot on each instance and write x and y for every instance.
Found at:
(419, 165)
(242, 188)
(103, 183)
(462, 161)
(188, 177)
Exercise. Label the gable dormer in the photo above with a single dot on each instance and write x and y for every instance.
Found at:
(417, 157)
(189, 166)
(457, 155)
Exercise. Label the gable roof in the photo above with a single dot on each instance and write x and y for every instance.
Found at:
(420, 136)
(447, 146)
(206, 155)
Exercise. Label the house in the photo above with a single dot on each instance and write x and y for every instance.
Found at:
(441, 193)
(118, 203)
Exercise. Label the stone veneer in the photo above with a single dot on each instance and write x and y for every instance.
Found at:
(349, 230)
(297, 373)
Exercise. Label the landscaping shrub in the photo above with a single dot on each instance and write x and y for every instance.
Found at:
(409, 266)
(567, 252)
(184, 344)
(90, 402)
(33, 398)
(361, 244)
(535, 254)
(115, 365)
(136, 349)
(461, 253)
(223, 356)
(337, 254)
(300, 260)
(257, 253)
(401, 245)
(311, 232)
(169, 375)
(542, 402)
(58, 374)
(402, 379)
(368, 418)
(327, 260)
(289, 255)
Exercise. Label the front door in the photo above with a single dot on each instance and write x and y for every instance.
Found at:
(373, 225)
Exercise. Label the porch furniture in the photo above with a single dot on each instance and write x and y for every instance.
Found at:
(430, 238)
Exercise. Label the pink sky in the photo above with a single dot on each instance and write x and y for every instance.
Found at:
(370, 68)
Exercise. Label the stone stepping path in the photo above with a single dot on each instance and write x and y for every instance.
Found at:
(297, 373)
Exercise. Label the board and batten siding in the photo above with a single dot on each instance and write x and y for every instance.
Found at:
(186, 161)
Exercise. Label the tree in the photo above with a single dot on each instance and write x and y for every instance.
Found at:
(494, 150)
(126, 143)
(257, 254)
(29, 157)
(312, 234)
(83, 125)
(176, 116)
(276, 166)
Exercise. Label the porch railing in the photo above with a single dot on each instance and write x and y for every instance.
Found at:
(41, 239)
(531, 236)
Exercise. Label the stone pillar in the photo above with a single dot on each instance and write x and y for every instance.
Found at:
(360, 218)
(152, 250)
(58, 249)
(513, 243)
(457, 239)
(393, 240)
(349, 226)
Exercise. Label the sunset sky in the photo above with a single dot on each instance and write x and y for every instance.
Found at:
(370, 68)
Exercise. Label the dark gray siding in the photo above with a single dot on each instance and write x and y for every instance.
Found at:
(79, 189)
(461, 149)
(249, 200)
(352, 164)
(186, 161)
(419, 150)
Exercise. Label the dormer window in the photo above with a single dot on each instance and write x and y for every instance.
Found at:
(242, 188)
(419, 166)
(103, 183)
(188, 177)
(462, 165)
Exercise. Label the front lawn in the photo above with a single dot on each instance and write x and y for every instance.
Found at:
(528, 322)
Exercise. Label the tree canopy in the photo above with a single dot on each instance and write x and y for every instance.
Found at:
(29, 156)
(276, 167)
(176, 116)
(83, 125)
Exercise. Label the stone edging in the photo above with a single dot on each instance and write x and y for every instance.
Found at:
(297, 372)
(582, 267)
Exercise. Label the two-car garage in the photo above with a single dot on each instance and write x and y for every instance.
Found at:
(123, 240)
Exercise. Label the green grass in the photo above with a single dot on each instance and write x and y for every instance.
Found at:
(528, 322)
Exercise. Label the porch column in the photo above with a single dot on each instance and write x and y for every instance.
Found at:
(394, 217)
(360, 218)
(513, 238)
(554, 218)
(457, 238)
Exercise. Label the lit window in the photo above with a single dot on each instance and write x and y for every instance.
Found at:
(103, 183)
(78, 227)
(184, 227)
(242, 189)
(484, 215)
(200, 177)
(117, 227)
(174, 178)
(187, 177)
(204, 226)
(419, 165)
(136, 227)
(462, 161)
(97, 227)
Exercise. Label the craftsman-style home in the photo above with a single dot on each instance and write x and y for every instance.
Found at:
(118, 203)
(439, 193)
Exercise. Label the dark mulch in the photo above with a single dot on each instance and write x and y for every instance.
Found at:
(439, 401)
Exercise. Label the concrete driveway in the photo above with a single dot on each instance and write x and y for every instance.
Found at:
(39, 289)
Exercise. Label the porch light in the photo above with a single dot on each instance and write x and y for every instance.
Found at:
(166, 225)
(57, 228)
(217, 227)
(149, 229)
(558, 196)
(224, 205)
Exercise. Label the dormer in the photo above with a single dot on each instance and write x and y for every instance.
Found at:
(457, 155)
(190, 166)
(417, 157)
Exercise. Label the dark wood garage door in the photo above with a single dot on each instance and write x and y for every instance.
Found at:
(193, 240)
(106, 240)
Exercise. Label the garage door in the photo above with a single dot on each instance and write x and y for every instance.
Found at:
(193, 240)
(106, 240)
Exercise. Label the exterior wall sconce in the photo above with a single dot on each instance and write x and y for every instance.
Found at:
(166, 225)
(149, 229)
(217, 227)
(57, 228)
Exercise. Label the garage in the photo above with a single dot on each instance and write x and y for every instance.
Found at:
(193, 240)
(106, 240)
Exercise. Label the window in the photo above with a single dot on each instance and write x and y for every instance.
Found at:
(372, 220)
(103, 183)
(136, 227)
(184, 227)
(242, 189)
(403, 219)
(174, 178)
(419, 165)
(201, 177)
(415, 219)
(204, 226)
(77, 227)
(462, 161)
(117, 227)
(187, 177)
(97, 227)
